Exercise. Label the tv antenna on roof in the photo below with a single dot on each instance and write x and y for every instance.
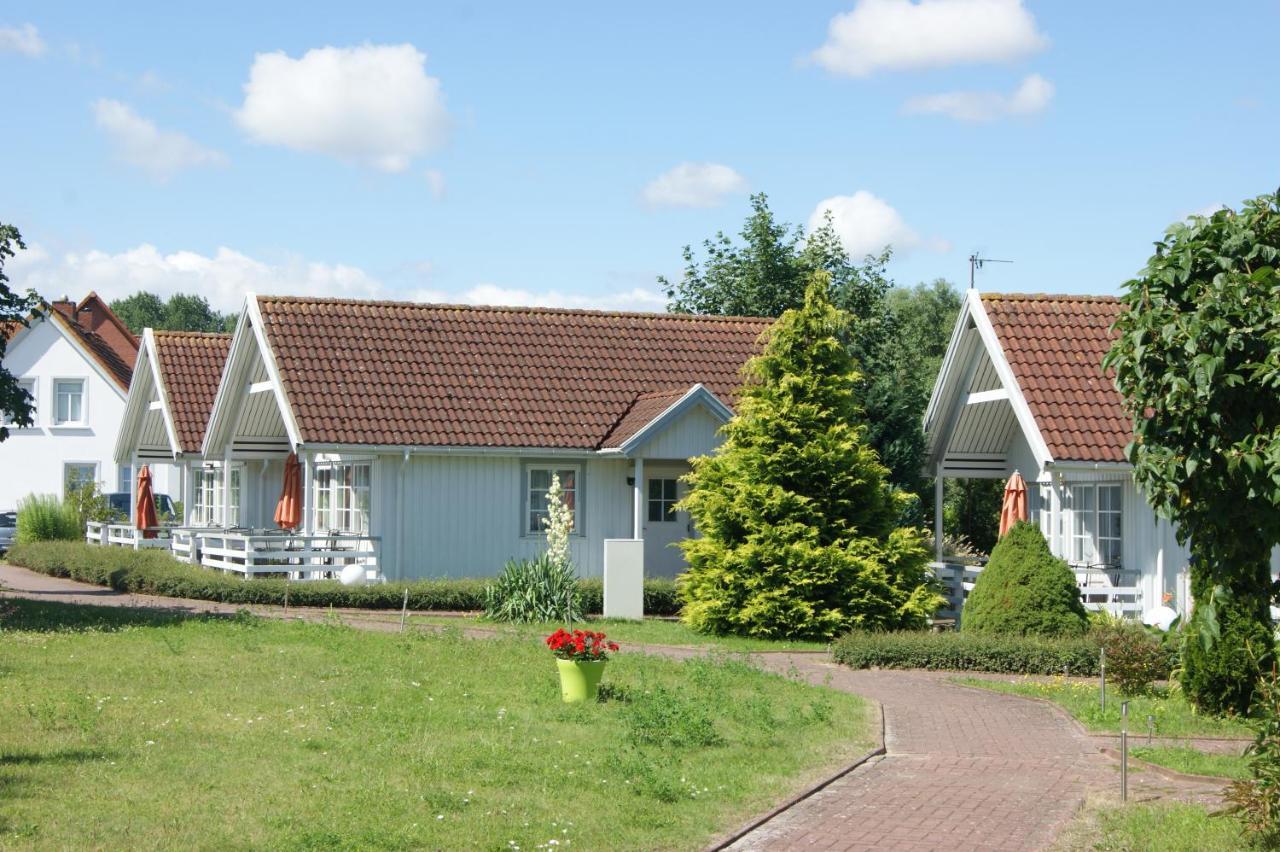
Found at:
(975, 263)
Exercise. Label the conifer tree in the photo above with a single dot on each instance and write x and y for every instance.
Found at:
(798, 526)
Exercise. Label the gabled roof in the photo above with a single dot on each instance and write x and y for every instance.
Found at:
(94, 327)
(1054, 346)
(190, 365)
(404, 374)
(651, 411)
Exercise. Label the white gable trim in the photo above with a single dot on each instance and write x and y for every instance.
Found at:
(136, 406)
(248, 332)
(696, 395)
(70, 337)
(973, 311)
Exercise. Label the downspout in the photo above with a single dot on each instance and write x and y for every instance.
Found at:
(400, 554)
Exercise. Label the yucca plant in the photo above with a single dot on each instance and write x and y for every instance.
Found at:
(538, 589)
(43, 517)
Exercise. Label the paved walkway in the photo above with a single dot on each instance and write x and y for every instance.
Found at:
(964, 769)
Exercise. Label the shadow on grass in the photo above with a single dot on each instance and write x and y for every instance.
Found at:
(62, 757)
(48, 617)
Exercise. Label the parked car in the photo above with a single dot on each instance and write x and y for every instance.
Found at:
(165, 510)
(8, 528)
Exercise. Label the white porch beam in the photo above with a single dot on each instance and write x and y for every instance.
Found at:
(937, 513)
(155, 405)
(637, 495)
(979, 397)
(308, 515)
(261, 387)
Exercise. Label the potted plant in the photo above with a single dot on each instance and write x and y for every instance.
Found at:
(580, 656)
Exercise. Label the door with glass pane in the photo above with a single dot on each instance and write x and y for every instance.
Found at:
(664, 527)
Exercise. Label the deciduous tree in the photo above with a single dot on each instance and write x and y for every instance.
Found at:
(16, 309)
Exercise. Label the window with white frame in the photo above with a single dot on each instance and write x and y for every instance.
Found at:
(124, 478)
(28, 385)
(539, 483)
(76, 475)
(68, 402)
(342, 492)
(1096, 512)
(207, 509)
(233, 496)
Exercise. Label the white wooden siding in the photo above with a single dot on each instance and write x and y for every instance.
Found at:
(693, 433)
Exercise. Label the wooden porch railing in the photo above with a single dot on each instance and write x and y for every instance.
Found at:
(300, 557)
(125, 535)
(1113, 590)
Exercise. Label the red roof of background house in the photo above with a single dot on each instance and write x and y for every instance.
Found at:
(407, 374)
(1055, 346)
(108, 339)
(642, 411)
(190, 365)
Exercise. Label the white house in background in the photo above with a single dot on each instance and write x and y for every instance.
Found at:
(76, 361)
(428, 435)
(1022, 388)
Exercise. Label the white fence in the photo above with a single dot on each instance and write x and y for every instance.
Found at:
(301, 557)
(125, 535)
(1112, 590)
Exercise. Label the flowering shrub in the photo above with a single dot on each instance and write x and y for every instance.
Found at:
(581, 645)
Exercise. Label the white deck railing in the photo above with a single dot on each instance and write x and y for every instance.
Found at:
(125, 535)
(1113, 590)
(301, 557)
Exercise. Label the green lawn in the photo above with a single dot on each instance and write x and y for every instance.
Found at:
(1156, 827)
(1193, 761)
(1174, 717)
(651, 631)
(124, 729)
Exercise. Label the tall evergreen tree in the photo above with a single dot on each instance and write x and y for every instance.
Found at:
(799, 528)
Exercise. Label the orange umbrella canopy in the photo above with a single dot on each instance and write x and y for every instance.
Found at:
(1014, 506)
(289, 509)
(145, 514)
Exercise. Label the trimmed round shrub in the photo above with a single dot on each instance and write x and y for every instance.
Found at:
(1025, 590)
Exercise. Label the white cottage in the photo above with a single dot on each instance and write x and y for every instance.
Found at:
(1022, 388)
(428, 434)
(76, 361)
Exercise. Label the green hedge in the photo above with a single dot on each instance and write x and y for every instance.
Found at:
(967, 652)
(155, 572)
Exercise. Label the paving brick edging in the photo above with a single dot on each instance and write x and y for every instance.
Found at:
(725, 841)
(1171, 774)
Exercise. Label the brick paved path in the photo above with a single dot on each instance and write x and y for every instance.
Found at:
(965, 770)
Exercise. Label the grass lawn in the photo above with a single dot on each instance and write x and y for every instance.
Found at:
(1174, 717)
(651, 631)
(1193, 761)
(1167, 827)
(127, 729)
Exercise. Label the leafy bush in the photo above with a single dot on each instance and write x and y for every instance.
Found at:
(540, 589)
(974, 652)
(1025, 590)
(90, 504)
(43, 517)
(155, 572)
(1256, 801)
(1135, 658)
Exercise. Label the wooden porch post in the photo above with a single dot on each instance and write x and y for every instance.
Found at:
(308, 516)
(226, 489)
(133, 490)
(937, 513)
(637, 495)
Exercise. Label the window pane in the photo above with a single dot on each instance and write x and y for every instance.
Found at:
(535, 522)
(540, 479)
(655, 510)
(567, 480)
(124, 480)
(669, 489)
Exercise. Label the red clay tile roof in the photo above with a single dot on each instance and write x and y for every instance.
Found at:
(191, 366)
(97, 327)
(1055, 345)
(642, 411)
(407, 374)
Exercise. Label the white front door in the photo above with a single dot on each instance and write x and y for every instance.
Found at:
(664, 527)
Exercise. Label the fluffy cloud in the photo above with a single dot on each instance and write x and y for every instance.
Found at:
(693, 185)
(372, 105)
(138, 142)
(899, 34)
(24, 39)
(225, 277)
(866, 224)
(1031, 96)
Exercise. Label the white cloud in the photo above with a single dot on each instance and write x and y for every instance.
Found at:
(225, 277)
(372, 105)
(24, 39)
(866, 224)
(898, 35)
(693, 185)
(138, 142)
(436, 183)
(637, 299)
(1031, 96)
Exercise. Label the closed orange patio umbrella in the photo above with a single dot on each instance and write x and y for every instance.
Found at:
(289, 509)
(145, 508)
(1013, 507)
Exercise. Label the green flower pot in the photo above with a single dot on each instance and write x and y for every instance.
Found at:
(580, 681)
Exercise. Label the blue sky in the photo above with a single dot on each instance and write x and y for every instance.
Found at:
(304, 148)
